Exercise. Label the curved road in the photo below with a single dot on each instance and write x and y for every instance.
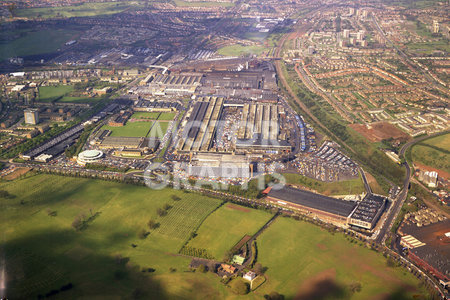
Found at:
(398, 202)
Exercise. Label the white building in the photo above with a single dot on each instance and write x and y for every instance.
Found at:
(89, 156)
(250, 275)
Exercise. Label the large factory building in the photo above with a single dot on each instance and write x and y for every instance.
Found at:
(363, 214)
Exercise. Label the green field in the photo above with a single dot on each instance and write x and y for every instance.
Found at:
(203, 3)
(36, 42)
(238, 50)
(82, 10)
(139, 129)
(107, 257)
(345, 187)
(413, 4)
(44, 252)
(302, 258)
(159, 129)
(132, 129)
(154, 116)
(434, 152)
(145, 115)
(166, 116)
(184, 219)
(225, 227)
(430, 47)
(70, 99)
(50, 93)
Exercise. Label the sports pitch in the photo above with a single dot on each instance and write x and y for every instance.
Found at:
(141, 126)
(50, 93)
(132, 129)
(238, 50)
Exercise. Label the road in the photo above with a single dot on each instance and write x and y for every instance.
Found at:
(365, 181)
(398, 202)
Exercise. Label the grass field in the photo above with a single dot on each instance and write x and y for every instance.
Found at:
(44, 252)
(203, 3)
(36, 42)
(305, 261)
(346, 187)
(159, 129)
(429, 47)
(166, 116)
(106, 259)
(50, 93)
(184, 219)
(133, 129)
(154, 116)
(79, 99)
(434, 152)
(225, 227)
(145, 115)
(139, 129)
(238, 50)
(413, 4)
(82, 10)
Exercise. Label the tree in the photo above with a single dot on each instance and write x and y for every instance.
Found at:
(161, 212)
(51, 213)
(152, 224)
(202, 268)
(6, 195)
(274, 296)
(228, 255)
(142, 234)
(390, 263)
(239, 287)
(77, 223)
(259, 269)
(137, 293)
(167, 206)
(175, 198)
(355, 287)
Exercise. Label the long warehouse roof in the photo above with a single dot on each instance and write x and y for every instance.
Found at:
(312, 200)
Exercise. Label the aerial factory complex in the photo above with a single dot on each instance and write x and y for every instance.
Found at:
(188, 149)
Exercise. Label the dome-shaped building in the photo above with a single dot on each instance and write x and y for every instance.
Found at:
(89, 156)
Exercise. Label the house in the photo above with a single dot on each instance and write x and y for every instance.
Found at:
(250, 275)
(228, 268)
(237, 259)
